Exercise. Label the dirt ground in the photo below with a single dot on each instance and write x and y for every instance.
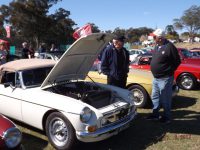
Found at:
(188, 45)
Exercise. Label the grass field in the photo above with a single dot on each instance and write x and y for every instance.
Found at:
(183, 132)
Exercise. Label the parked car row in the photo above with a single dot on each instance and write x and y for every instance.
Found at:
(54, 55)
(187, 75)
(134, 53)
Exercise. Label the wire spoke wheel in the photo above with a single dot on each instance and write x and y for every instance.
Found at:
(187, 82)
(140, 95)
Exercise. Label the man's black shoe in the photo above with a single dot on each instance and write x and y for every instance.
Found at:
(165, 120)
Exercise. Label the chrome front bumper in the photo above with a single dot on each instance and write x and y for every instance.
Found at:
(106, 132)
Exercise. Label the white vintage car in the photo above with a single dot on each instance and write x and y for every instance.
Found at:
(55, 98)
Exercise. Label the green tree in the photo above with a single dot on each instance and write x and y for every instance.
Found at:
(2, 29)
(171, 33)
(95, 28)
(134, 34)
(169, 29)
(118, 31)
(30, 19)
(108, 31)
(190, 20)
(60, 31)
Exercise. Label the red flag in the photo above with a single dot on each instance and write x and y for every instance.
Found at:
(8, 31)
(83, 31)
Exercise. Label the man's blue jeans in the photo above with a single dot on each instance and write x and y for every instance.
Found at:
(162, 95)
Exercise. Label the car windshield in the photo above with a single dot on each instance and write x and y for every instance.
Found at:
(131, 52)
(35, 77)
(57, 54)
(186, 53)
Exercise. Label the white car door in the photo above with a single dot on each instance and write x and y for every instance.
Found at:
(10, 98)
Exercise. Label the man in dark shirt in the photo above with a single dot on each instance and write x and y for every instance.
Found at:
(164, 62)
(115, 62)
(25, 50)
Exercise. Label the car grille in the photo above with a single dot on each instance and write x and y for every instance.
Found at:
(115, 116)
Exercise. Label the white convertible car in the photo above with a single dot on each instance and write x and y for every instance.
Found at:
(55, 98)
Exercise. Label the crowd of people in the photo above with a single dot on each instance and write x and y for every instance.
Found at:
(27, 51)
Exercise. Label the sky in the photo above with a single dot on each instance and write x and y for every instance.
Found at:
(125, 14)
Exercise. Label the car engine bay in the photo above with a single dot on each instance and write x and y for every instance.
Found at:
(89, 93)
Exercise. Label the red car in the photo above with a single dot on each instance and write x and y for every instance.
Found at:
(187, 57)
(10, 135)
(187, 76)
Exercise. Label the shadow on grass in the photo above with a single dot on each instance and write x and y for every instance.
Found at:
(141, 134)
(183, 102)
(178, 102)
(32, 138)
(31, 142)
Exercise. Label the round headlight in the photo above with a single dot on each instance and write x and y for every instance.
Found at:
(86, 114)
(12, 137)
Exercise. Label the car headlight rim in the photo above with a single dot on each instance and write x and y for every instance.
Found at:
(85, 114)
(12, 137)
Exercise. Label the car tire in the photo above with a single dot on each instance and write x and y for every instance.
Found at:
(186, 82)
(60, 131)
(140, 95)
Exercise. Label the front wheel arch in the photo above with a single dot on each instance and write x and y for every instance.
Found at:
(45, 117)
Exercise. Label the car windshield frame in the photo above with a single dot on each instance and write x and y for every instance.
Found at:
(35, 77)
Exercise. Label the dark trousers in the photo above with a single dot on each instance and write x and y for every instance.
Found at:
(121, 82)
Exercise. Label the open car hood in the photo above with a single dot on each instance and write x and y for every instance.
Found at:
(76, 62)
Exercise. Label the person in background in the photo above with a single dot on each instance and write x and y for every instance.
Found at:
(115, 62)
(31, 52)
(3, 53)
(25, 50)
(165, 61)
(53, 48)
(42, 48)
